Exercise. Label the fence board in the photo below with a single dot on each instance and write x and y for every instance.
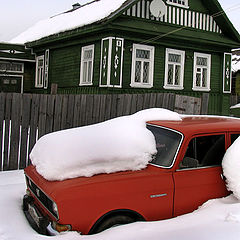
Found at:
(34, 121)
(102, 108)
(96, 108)
(89, 108)
(108, 107)
(2, 110)
(42, 115)
(7, 130)
(76, 111)
(57, 113)
(26, 108)
(70, 111)
(50, 113)
(127, 104)
(83, 110)
(134, 104)
(15, 132)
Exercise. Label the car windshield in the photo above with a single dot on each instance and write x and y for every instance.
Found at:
(167, 143)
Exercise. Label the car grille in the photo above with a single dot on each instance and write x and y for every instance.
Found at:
(41, 196)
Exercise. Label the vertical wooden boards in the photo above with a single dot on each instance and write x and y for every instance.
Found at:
(7, 130)
(2, 109)
(25, 123)
(26, 117)
(15, 131)
(34, 121)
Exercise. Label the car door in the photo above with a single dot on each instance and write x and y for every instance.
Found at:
(199, 174)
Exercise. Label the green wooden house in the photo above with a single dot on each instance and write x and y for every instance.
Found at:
(17, 68)
(137, 46)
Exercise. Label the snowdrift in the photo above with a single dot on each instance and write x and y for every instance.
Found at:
(119, 144)
(231, 168)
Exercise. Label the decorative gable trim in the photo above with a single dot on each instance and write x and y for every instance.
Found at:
(175, 15)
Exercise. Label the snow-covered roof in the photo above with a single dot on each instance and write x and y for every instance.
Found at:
(69, 20)
(236, 60)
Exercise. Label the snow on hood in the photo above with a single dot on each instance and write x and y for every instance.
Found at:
(119, 144)
(231, 168)
(68, 21)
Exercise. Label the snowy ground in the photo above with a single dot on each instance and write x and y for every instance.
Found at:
(217, 219)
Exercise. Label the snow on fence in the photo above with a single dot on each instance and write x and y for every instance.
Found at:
(26, 117)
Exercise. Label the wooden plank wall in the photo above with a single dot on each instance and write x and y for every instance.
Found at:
(26, 117)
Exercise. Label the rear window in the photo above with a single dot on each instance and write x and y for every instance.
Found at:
(167, 143)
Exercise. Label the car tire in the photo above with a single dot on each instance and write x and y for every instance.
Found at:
(113, 221)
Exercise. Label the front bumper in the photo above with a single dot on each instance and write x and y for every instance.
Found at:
(35, 218)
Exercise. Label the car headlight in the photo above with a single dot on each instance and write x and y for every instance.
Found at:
(55, 208)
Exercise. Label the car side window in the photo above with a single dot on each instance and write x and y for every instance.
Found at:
(204, 151)
(234, 137)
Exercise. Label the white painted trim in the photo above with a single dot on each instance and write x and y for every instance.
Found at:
(121, 72)
(46, 68)
(196, 88)
(177, 4)
(13, 71)
(21, 76)
(17, 59)
(224, 73)
(182, 54)
(41, 57)
(89, 47)
(110, 63)
(151, 66)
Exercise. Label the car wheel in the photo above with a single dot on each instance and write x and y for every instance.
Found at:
(113, 221)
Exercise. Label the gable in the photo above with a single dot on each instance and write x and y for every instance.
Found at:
(186, 15)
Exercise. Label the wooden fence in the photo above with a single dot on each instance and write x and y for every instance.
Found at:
(26, 117)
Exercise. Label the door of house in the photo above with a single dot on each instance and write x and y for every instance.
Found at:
(10, 83)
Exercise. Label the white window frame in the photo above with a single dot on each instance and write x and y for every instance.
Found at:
(39, 82)
(12, 71)
(169, 2)
(151, 66)
(201, 88)
(89, 61)
(181, 64)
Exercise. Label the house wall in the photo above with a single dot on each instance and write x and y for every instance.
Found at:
(136, 26)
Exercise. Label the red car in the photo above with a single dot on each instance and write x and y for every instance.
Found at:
(185, 172)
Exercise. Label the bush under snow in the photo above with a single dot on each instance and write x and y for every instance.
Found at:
(119, 144)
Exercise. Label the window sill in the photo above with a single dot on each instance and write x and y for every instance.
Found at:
(85, 84)
(201, 89)
(173, 87)
(140, 85)
(110, 86)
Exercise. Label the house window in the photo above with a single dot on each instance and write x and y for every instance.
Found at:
(86, 71)
(179, 3)
(39, 71)
(201, 72)
(11, 67)
(142, 66)
(174, 69)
